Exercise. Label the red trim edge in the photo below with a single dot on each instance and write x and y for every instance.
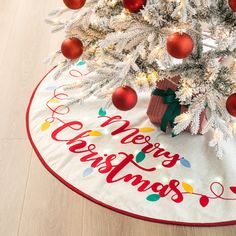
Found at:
(93, 199)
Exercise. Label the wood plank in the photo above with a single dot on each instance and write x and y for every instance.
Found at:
(50, 207)
(15, 158)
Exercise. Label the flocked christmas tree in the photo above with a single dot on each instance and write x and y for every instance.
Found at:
(132, 44)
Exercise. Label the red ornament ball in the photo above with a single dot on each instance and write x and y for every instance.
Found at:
(124, 98)
(74, 4)
(134, 6)
(231, 104)
(72, 48)
(232, 4)
(180, 45)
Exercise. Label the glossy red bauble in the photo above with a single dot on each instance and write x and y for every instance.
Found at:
(232, 4)
(124, 98)
(231, 104)
(134, 5)
(72, 48)
(180, 45)
(74, 4)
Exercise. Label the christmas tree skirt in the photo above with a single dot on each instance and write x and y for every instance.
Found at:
(120, 160)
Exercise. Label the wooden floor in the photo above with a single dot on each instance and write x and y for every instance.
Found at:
(32, 201)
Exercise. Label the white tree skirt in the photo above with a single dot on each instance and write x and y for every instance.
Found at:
(123, 162)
